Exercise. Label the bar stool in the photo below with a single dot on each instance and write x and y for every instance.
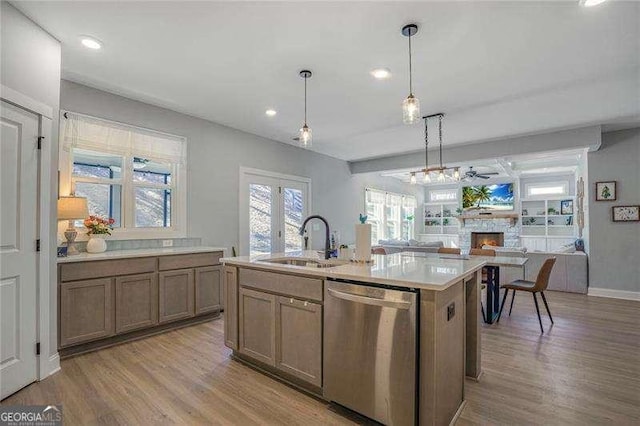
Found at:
(483, 252)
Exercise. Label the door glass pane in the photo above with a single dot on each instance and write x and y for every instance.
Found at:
(102, 200)
(293, 210)
(259, 219)
(153, 207)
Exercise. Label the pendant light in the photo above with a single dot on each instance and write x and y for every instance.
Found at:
(305, 131)
(411, 105)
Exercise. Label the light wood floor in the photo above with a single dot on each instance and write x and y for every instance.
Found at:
(585, 370)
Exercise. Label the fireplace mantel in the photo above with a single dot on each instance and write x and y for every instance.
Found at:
(513, 217)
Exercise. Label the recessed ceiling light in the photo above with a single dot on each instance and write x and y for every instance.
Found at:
(589, 3)
(271, 112)
(90, 42)
(381, 73)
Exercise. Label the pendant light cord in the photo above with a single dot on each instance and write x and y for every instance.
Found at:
(426, 143)
(410, 68)
(440, 135)
(305, 101)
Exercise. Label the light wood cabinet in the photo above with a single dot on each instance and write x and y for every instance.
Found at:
(176, 295)
(136, 302)
(299, 339)
(86, 311)
(230, 291)
(208, 283)
(257, 324)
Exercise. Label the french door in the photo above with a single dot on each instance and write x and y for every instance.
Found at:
(272, 208)
(18, 259)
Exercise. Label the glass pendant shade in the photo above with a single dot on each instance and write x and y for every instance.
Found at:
(427, 178)
(412, 179)
(305, 136)
(456, 174)
(410, 110)
(441, 176)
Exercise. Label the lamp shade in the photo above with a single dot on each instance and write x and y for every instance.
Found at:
(70, 208)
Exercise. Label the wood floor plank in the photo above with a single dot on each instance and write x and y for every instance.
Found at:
(585, 370)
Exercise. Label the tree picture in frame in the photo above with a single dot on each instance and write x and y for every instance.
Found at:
(606, 191)
(625, 213)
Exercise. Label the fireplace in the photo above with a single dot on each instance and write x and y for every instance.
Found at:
(479, 239)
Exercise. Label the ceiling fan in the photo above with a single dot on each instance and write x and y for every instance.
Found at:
(472, 174)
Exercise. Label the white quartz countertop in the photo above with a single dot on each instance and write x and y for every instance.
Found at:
(399, 269)
(148, 252)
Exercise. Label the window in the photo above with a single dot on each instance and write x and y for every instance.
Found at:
(534, 190)
(392, 216)
(135, 176)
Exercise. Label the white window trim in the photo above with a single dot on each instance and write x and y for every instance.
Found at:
(178, 227)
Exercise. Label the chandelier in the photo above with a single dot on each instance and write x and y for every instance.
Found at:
(441, 173)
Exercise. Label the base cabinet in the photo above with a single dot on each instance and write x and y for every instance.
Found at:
(208, 283)
(257, 320)
(86, 311)
(136, 302)
(107, 301)
(299, 339)
(281, 331)
(176, 293)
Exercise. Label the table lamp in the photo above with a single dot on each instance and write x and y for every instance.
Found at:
(72, 208)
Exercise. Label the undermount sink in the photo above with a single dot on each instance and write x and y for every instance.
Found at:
(309, 263)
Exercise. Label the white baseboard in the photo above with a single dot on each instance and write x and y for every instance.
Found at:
(54, 365)
(616, 294)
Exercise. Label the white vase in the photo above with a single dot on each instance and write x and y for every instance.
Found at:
(96, 243)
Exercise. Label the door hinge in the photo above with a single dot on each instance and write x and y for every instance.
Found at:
(40, 139)
(38, 348)
(279, 234)
(38, 244)
(279, 190)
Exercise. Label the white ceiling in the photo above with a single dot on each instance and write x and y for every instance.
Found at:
(495, 68)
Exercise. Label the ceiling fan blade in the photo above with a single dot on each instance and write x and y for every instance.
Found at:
(482, 176)
(491, 173)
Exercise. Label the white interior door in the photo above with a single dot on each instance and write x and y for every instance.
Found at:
(272, 210)
(18, 259)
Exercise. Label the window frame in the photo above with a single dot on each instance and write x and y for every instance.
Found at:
(127, 229)
(528, 187)
(400, 220)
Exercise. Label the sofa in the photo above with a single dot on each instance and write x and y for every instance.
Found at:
(570, 273)
(397, 246)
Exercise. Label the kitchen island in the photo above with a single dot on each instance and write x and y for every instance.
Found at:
(392, 340)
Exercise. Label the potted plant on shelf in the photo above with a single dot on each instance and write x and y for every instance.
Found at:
(97, 228)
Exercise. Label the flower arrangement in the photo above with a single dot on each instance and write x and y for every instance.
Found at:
(98, 225)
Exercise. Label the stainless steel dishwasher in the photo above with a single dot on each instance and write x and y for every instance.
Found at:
(370, 350)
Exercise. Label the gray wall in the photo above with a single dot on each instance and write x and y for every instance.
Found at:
(30, 64)
(215, 154)
(614, 262)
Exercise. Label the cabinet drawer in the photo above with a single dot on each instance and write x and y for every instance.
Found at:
(289, 285)
(106, 268)
(184, 261)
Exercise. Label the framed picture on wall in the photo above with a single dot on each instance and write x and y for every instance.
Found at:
(625, 213)
(566, 207)
(606, 191)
